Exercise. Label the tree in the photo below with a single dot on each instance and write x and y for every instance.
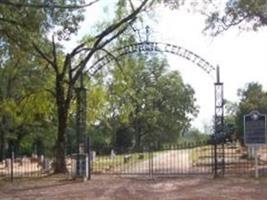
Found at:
(24, 104)
(24, 25)
(149, 102)
(230, 126)
(22, 22)
(67, 70)
(243, 13)
(193, 135)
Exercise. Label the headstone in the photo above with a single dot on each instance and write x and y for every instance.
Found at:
(7, 163)
(34, 156)
(46, 165)
(81, 148)
(251, 152)
(92, 155)
(112, 154)
(42, 158)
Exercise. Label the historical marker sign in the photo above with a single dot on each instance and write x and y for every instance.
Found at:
(255, 129)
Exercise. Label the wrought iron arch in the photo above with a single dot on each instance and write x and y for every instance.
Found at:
(207, 67)
(152, 47)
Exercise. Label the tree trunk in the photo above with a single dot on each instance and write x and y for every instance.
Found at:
(138, 133)
(138, 143)
(2, 145)
(62, 112)
(2, 139)
(60, 164)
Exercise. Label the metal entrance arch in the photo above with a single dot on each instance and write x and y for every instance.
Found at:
(152, 47)
(147, 46)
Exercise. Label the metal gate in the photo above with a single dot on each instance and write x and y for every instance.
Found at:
(169, 160)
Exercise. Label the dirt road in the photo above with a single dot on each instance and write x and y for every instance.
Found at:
(165, 162)
(168, 162)
(117, 188)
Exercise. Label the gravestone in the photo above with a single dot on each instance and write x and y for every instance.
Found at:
(92, 155)
(112, 154)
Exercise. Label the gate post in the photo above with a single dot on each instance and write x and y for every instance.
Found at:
(218, 121)
(89, 157)
(82, 156)
(12, 157)
(150, 160)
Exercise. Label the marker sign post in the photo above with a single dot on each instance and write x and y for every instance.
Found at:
(255, 133)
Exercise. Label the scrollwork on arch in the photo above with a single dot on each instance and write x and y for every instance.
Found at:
(152, 47)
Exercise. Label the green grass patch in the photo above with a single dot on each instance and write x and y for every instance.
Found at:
(119, 162)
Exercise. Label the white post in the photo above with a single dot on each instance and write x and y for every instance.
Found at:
(256, 162)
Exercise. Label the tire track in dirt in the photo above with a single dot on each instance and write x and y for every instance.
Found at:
(171, 161)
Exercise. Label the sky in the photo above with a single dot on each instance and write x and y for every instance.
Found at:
(241, 55)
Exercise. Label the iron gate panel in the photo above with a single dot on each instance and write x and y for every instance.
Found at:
(186, 159)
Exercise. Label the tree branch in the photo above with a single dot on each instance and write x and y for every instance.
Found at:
(77, 52)
(131, 4)
(77, 49)
(113, 27)
(108, 41)
(46, 5)
(10, 21)
(54, 53)
(51, 92)
(131, 17)
(115, 59)
(39, 51)
(233, 23)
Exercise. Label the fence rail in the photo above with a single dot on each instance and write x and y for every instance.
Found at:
(25, 167)
(186, 159)
(170, 160)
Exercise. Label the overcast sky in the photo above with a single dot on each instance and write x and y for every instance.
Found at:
(241, 56)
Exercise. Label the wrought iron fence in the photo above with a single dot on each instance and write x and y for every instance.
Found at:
(184, 159)
(168, 160)
(240, 161)
(25, 166)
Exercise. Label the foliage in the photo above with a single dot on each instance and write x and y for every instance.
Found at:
(193, 135)
(19, 23)
(149, 102)
(25, 106)
(247, 14)
(230, 126)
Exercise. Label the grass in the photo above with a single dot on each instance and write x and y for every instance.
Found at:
(108, 164)
(200, 155)
(119, 163)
